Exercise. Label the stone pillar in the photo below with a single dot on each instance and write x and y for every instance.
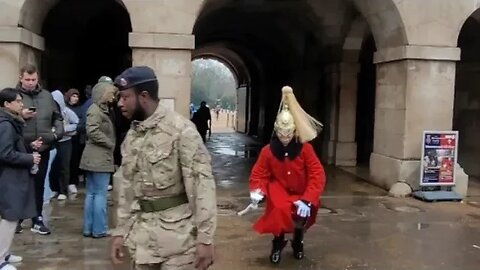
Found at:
(415, 92)
(18, 47)
(346, 147)
(330, 111)
(170, 56)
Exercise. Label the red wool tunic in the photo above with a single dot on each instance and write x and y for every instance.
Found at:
(283, 182)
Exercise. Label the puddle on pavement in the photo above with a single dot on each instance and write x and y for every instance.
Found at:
(359, 267)
(327, 211)
(226, 183)
(287, 262)
(474, 204)
(249, 153)
(422, 226)
(475, 216)
(404, 227)
(226, 209)
(406, 209)
(402, 208)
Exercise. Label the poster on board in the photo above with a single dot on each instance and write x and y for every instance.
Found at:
(439, 156)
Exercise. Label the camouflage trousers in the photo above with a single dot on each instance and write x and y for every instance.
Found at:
(184, 261)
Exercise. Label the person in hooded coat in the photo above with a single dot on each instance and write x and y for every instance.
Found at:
(60, 172)
(17, 190)
(72, 98)
(98, 161)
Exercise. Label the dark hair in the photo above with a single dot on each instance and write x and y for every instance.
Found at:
(150, 87)
(8, 95)
(29, 69)
(88, 91)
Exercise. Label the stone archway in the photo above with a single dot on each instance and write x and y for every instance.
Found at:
(21, 35)
(226, 54)
(385, 21)
(467, 96)
(32, 13)
(350, 68)
(325, 67)
(161, 38)
(84, 40)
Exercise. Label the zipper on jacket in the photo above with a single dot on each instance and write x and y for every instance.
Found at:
(34, 99)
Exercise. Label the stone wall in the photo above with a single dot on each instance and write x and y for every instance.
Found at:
(18, 47)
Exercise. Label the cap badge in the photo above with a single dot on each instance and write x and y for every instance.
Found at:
(123, 82)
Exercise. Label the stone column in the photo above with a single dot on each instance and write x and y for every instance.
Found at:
(331, 113)
(415, 92)
(18, 47)
(346, 147)
(170, 56)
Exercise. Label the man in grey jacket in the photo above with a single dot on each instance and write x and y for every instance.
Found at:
(43, 120)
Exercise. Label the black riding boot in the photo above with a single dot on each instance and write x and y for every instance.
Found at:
(297, 244)
(278, 244)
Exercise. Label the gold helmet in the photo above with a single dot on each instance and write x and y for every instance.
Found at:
(292, 118)
(284, 123)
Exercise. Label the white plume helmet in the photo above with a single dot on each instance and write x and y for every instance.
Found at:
(307, 128)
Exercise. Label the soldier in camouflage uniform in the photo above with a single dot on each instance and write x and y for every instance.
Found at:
(166, 192)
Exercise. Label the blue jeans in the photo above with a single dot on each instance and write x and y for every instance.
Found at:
(48, 193)
(95, 212)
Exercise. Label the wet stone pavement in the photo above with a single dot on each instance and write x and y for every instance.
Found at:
(359, 228)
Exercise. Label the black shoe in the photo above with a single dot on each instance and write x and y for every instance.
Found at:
(278, 244)
(102, 235)
(40, 228)
(19, 228)
(297, 244)
(298, 250)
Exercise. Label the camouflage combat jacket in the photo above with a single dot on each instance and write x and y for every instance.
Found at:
(164, 156)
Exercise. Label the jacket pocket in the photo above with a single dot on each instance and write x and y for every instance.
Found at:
(163, 163)
(160, 153)
(165, 233)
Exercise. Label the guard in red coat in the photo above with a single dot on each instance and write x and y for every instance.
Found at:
(289, 176)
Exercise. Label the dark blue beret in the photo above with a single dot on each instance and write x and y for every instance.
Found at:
(134, 76)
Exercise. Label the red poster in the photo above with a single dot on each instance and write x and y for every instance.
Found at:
(439, 155)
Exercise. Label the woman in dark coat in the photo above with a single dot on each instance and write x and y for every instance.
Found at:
(17, 191)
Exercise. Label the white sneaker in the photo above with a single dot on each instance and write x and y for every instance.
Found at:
(13, 259)
(110, 187)
(8, 267)
(62, 197)
(72, 189)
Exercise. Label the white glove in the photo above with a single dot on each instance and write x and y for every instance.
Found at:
(303, 210)
(256, 196)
